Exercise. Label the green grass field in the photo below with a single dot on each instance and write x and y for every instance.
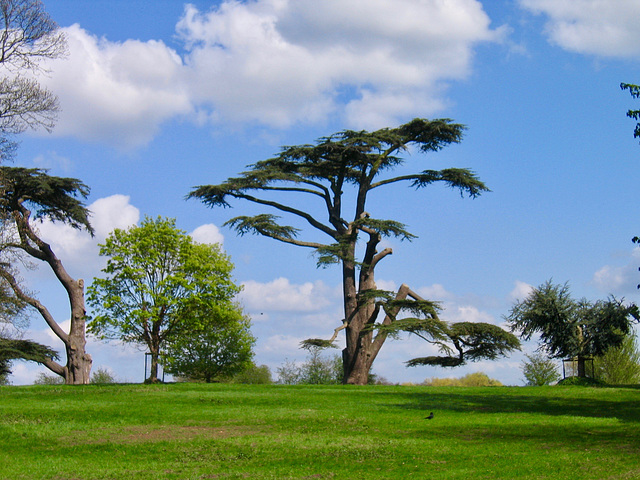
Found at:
(196, 431)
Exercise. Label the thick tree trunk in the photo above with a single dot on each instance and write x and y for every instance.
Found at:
(582, 370)
(78, 370)
(361, 350)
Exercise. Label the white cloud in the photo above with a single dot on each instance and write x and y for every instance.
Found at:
(280, 295)
(208, 233)
(598, 27)
(76, 248)
(112, 212)
(280, 61)
(116, 93)
(273, 62)
(520, 291)
(621, 279)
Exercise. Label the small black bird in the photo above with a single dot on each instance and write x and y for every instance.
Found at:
(430, 416)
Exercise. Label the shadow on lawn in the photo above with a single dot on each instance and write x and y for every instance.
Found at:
(621, 404)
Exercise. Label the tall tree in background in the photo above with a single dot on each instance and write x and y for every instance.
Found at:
(27, 37)
(159, 284)
(347, 163)
(568, 328)
(27, 195)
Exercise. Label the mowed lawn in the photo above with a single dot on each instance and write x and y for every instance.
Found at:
(197, 431)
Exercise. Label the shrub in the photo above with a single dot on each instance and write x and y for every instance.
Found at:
(44, 379)
(477, 379)
(254, 375)
(317, 370)
(102, 376)
(620, 365)
(540, 370)
(581, 382)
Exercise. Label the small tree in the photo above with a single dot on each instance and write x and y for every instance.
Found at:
(316, 370)
(619, 365)
(159, 285)
(27, 195)
(540, 370)
(570, 328)
(217, 348)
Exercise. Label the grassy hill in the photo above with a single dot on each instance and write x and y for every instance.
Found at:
(196, 431)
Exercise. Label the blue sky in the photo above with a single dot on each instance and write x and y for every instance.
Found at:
(160, 96)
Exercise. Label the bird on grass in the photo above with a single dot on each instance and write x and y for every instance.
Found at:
(430, 416)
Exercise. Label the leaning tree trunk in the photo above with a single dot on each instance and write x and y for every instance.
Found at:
(78, 367)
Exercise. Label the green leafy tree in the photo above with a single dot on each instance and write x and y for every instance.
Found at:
(159, 284)
(619, 365)
(339, 171)
(317, 369)
(570, 328)
(254, 374)
(218, 347)
(26, 195)
(540, 370)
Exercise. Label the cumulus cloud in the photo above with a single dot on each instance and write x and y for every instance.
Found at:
(619, 279)
(598, 27)
(520, 291)
(116, 93)
(208, 233)
(280, 295)
(76, 248)
(281, 61)
(270, 62)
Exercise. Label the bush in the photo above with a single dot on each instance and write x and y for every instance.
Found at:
(581, 382)
(102, 376)
(621, 365)
(477, 379)
(44, 379)
(540, 370)
(317, 370)
(254, 375)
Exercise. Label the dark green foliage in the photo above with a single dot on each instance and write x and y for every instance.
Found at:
(540, 370)
(55, 198)
(581, 382)
(11, 349)
(466, 342)
(634, 90)
(570, 328)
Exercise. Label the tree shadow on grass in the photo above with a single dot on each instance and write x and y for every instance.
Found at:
(622, 404)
